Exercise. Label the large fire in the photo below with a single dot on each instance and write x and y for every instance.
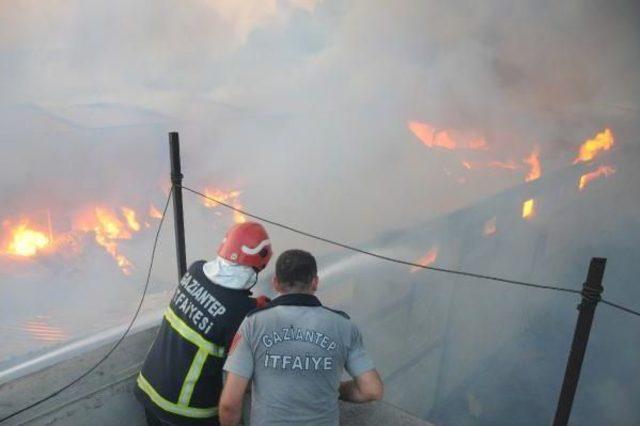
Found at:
(604, 171)
(427, 259)
(603, 141)
(228, 197)
(25, 240)
(108, 226)
(451, 139)
(535, 170)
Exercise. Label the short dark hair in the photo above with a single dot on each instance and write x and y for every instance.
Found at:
(295, 269)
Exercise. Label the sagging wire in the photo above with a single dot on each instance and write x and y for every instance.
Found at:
(501, 280)
(622, 308)
(121, 339)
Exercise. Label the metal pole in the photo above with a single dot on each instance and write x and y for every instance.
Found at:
(591, 291)
(178, 214)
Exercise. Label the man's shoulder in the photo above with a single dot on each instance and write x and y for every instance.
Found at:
(255, 311)
(268, 306)
(196, 268)
(336, 311)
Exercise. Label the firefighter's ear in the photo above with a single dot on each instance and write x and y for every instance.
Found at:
(314, 284)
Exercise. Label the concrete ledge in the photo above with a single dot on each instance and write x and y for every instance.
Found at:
(376, 413)
(115, 405)
(105, 397)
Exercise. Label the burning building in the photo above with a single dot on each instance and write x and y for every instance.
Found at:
(502, 141)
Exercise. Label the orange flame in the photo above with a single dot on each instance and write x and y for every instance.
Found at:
(426, 260)
(442, 139)
(154, 212)
(130, 216)
(490, 227)
(603, 141)
(26, 241)
(535, 169)
(108, 226)
(528, 209)
(239, 217)
(108, 229)
(447, 139)
(428, 135)
(605, 171)
(228, 197)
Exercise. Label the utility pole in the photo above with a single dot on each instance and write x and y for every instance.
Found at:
(591, 291)
(178, 213)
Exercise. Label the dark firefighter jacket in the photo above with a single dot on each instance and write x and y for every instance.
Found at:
(181, 378)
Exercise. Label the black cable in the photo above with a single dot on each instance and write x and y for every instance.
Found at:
(387, 258)
(622, 308)
(120, 340)
(404, 262)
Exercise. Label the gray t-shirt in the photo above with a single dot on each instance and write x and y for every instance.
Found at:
(295, 352)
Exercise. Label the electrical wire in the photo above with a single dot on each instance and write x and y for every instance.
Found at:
(309, 235)
(401, 261)
(382, 257)
(622, 308)
(120, 340)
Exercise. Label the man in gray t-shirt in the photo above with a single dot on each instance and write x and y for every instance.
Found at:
(295, 350)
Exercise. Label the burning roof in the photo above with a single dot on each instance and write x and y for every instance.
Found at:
(455, 141)
(29, 235)
(602, 141)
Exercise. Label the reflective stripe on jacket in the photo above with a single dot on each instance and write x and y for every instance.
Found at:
(181, 378)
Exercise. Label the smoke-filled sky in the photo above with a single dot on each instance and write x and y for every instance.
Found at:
(304, 104)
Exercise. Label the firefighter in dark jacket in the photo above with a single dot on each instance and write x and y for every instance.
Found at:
(181, 378)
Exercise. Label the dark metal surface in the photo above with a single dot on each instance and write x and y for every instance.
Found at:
(178, 213)
(591, 291)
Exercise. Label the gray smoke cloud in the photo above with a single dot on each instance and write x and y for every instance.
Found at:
(285, 99)
(303, 105)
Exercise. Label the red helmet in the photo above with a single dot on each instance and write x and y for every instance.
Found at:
(247, 244)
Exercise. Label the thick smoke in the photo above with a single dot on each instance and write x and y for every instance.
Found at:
(286, 99)
(303, 105)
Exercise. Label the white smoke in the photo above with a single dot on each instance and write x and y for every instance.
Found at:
(301, 104)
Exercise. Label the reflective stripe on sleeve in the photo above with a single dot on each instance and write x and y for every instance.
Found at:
(166, 405)
(193, 336)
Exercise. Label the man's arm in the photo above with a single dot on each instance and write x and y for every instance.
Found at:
(364, 388)
(239, 368)
(366, 385)
(230, 406)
